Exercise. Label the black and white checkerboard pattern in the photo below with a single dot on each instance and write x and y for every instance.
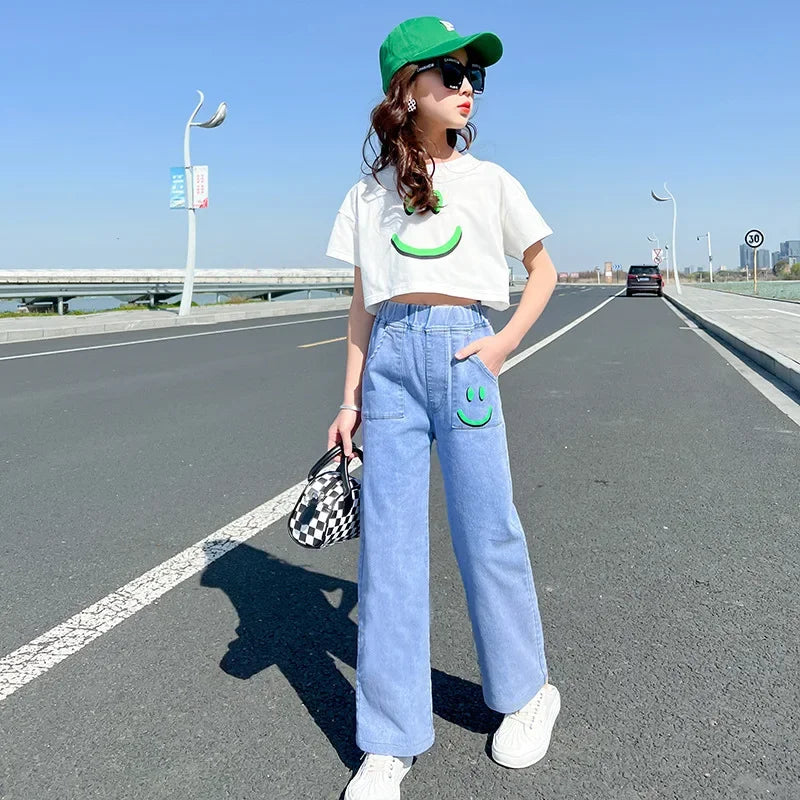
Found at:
(319, 518)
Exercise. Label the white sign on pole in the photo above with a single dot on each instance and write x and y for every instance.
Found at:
(754, 238)
(657, 257)
(200, 187)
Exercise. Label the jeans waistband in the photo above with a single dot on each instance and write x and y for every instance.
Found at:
(423, 315)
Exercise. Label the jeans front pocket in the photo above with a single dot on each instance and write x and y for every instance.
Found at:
(474, 391)
(376, 335)
(489, 374)
(382, 393)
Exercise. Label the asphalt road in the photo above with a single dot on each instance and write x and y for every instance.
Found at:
(657, 487)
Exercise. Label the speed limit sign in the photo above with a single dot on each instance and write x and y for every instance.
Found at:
(754, 238)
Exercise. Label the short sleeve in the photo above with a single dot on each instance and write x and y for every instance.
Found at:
(343, 241)
(522, 223)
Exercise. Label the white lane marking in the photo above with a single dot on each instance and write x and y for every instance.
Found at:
(47, 650)
(752, 308)
(43, 653)
(723, 310)
(167, 338)
(529, 351)
(785, 399)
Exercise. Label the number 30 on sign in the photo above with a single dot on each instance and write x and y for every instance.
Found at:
(754, 238)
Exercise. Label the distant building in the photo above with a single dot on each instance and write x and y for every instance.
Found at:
(746, 257)
(790, 248)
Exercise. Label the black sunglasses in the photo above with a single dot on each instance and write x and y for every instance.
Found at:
(453, 72)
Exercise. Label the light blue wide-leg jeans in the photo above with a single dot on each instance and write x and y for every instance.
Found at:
(414, 390)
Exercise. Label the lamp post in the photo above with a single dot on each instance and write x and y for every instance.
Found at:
(710, 263)
(188, 278)
(674, 221)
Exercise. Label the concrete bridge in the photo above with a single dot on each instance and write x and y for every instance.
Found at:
(53, 288)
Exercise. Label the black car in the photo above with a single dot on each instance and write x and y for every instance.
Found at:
(644, 278)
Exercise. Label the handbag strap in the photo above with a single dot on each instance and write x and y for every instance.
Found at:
(347, 498)
(343, 464)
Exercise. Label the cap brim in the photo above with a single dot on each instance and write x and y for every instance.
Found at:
(486, 47)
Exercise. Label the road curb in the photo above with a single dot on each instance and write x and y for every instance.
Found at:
(121, 325)
(778, 365)
(276, 309)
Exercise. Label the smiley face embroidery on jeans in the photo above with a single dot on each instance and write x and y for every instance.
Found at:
(487, 415)
(437, 251)
(475, 395)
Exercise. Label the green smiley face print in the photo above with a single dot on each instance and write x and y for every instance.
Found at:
(474, 395)
(437, 250)
(486, 411)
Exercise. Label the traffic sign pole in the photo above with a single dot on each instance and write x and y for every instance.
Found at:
(754, 238)
(755, 270)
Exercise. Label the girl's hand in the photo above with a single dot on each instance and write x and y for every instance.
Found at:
(342, 430)
(490, 349)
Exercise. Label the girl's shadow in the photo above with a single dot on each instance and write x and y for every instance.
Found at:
(286, 620)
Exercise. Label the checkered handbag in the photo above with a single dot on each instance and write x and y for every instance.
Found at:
(327, 510)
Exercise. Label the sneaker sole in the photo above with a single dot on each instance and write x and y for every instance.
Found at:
(528, 759)
(348, 791)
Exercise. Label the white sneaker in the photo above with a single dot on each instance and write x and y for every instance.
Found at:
(524, 736)
(378, 777)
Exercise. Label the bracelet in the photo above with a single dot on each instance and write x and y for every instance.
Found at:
(351, 407)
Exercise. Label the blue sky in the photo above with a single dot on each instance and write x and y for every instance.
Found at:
(591, 106)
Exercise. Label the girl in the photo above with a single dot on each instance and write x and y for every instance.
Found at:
(427, 232)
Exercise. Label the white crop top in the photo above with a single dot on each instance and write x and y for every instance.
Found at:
(484, 214)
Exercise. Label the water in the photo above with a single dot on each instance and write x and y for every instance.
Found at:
(110, 303)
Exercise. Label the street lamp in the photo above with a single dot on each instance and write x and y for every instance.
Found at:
(674, 221)
(710, 263)
(188, 278)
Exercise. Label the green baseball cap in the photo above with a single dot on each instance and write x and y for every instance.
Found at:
(428, 37)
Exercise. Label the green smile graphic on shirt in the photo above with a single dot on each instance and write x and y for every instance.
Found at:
(427, 252)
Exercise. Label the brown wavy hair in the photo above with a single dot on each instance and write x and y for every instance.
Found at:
(401, 144)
